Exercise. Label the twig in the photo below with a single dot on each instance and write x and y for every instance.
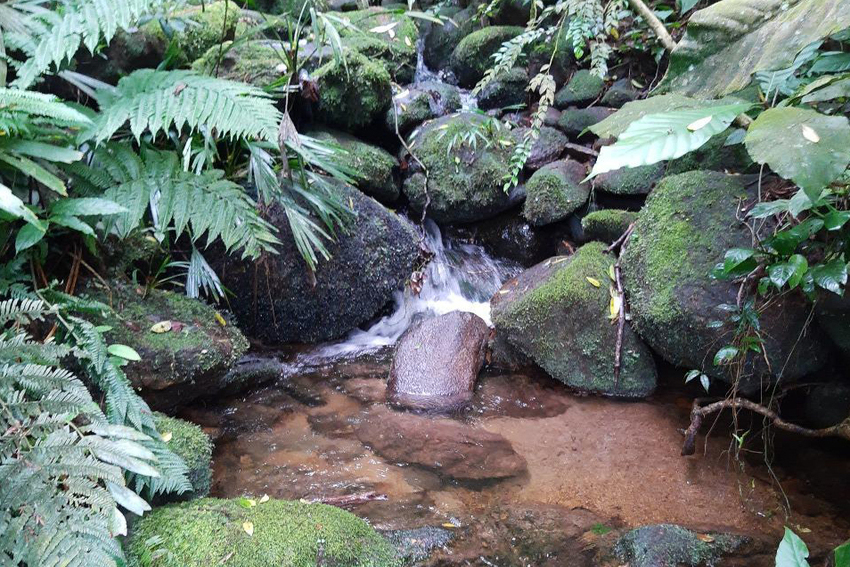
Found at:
(622, 240)
(841, 430)
(655, 24)
(350, 499)
(621, 320)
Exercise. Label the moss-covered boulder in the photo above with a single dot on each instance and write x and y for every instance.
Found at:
(354, 94)
(441, 40)
(425, 101)
(186, 346)
(557, 313)
(507, 89)
(372, 169)
(631, 180)
(555, 191)
(190, 443)
(607, 225)
(573, 121)
(548, 146)
(619, 93)
(259, 62)
(687, 225)
(582, 89)
(465, 183)
(385, 36)
(281, 301)
(714, 155)
(472, 56)
(275, 533)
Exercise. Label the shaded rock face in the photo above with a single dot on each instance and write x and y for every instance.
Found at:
(582, 89)
(555, 314)
(437, 362)
(546, 148)
(506, 89)
(620, 93)
(354, 94)
(833, 315)
(555, 191)
(441, 40)
(687, 225)
(443, 445)
(188, 361)
(573, 121)
(668, 545)
(828, 405)
(631, 180)
(472, 56)
(415, 105)
(281, 302)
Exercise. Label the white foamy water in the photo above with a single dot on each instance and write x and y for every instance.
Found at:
(459, 277)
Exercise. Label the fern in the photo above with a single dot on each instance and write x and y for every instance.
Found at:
(21, 111)
(154, 101)
(205, 204)
(51, 37)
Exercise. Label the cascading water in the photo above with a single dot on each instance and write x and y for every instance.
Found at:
(468, 101)
(459, 277)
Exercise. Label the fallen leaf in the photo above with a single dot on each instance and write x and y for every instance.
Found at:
(248, 527)
(810, 134)
(614, 306)
(449, 525)
(166, 437)
(177, 326)
(699, 124)
(705, 537)
(385, 28)
(408, 42)
(220, 319)
(593, 281)
(264, 499)
(161, 327)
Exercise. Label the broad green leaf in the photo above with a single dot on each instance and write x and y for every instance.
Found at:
(834, 220)
(735, 257)
(729, 41)
(831, 62)
(29, 235)
(87, 206)
(782, 138)
(14, 206)
(725, 355)
(784, 80)
(830, 276)
(842, 555)
(36, 171)
(686, 5)
(123, 351)
(832, 91)
(769, 208)
(792, 551)
(658, 137)
(42, 151)
(790, 272)
(73, 223)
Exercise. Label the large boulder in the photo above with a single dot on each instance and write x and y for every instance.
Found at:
(631, 180)
(687, 225)
(258, 62)
(583, 88)
(372, 169)
(506, 89)
(448, 447)
(353, 93)
(186, 347)
(557, 313)
(546, 148)
(465, 183)
(668, 545)
(473, 55)
(211, 532)
(573, 121)
(607, 225)
(441, 40)
(437, 362)
(416, 104)
(383, 36)
(555, 191)
(281, 301)
(190, 443)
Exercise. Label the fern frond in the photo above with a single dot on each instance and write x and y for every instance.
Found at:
(154, 101)
(21, 110)
(20, 310)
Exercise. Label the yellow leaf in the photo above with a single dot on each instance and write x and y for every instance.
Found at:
(614, 33)
(248, 527)
(593, 281)
(705, 537)
(449, 525)
(264, 499)
(251, 502)
(220, 319)
(611, 273)
(699, 124)
(166, 437)
(810, 134)
(614, 306)
(161, 327)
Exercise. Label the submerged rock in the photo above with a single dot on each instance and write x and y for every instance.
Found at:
(352, 95)
(555, 191)
(668, 545)
(557, 313)
(687, 225)
(190, 443)
(582, 89)
(282, 302)
(437, 362)
(372, 169)
(211, 531)
(449, 447)
(473, 55)
(415, 105)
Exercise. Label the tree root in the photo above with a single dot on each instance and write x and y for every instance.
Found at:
(698, 413)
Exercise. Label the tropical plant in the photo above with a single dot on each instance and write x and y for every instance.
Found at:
(793, 552)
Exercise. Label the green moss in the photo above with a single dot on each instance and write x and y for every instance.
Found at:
(354, 94)
(427, 100)
(371, 168)
(211, 30)
(583, 88)
(552, 194)
(398, 59)
(254, 62)
(296, 8)
(607, 225)
(404, 32)
(472, 56)
(507, 89)
(631, 180)
(441, 40)
(190, 443)
(211, 532)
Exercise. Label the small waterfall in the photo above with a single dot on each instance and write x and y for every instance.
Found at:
(459, 277)
(468, 102)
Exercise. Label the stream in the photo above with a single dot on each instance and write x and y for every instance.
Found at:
(322, 430)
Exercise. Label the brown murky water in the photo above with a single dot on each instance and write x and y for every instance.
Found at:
(617, 463)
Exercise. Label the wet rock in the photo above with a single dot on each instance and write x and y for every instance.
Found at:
(714, 155)
(206, 531)
(251, 370)
(284, 303)
(472, 56)
(526, 393)
(450, 448)
(465, 184)
(354, 94)
(668, 545)
(556, 314)
(828, 405)
(437, 362)
(508, 89)
(631, 180)
(419, 543)
(511, 237)
(441, 40)
(687, 225)
(582, 89)
(833, 316)
(548, 147)
(552, 116)
(573, 121)
(503, 356)
(188, 361)
(194, 447)
(607, 225)
(415, 105)
(620, 93)
(372, 169)
(555, 191)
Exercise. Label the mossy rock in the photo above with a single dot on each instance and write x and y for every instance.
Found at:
(714, 155)
(631, 180)
(355, 94)
(425, 101)
(507, 89)
(582, 89)
(187, 362)
(190, 443)
(554, 192)
(441, 40)
(208, 532)
(258, 62)
(395, 47)
(472, 56)
(620, 93)
(574, 121)
(669, 545)
(372, 169)
(546, 148)
(556, 313)
(398, 59)
(293, 8)
(607, 225)
(464, 184)
(687, 225)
